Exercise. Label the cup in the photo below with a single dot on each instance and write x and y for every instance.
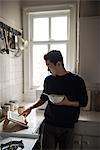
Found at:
(21, 109)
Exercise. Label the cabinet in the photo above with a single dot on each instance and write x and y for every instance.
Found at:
(86, 143)
(77, 142)
(91, 142)
(87, 136)
(89, 48)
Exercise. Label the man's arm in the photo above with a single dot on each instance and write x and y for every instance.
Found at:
(37, 104)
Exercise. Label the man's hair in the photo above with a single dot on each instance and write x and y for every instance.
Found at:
(54, 56)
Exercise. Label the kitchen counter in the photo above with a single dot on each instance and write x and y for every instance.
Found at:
(36, 117)
(91, 116)
(34, 120)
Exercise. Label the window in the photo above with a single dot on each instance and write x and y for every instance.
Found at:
(49, 30)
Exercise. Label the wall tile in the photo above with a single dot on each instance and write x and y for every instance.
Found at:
(11, 78)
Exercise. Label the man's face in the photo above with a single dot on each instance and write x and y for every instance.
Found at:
(51, 67)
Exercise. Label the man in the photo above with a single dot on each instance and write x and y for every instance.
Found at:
(60, 117)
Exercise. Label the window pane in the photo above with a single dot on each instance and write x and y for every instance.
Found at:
(62, 49)
(39, 66)
(40, 29)
(59, 28)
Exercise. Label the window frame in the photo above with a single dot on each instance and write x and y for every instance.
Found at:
(27, 53)
(49, 42)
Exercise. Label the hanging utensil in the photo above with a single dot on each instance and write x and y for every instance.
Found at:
(1, 34)
(19, 51)
(12, 42)
(6, 44)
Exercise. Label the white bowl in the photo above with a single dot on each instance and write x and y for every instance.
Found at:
(54, 98)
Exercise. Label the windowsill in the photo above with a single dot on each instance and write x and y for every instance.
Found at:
(39, 89)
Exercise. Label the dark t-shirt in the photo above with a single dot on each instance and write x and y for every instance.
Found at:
(73, 87)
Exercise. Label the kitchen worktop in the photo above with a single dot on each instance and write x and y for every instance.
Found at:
(36, 117)
(92, 116)
(34, 120)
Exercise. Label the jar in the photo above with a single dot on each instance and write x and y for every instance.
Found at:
(14, 105)
(11, 105)
(21, 109)
(5, 108)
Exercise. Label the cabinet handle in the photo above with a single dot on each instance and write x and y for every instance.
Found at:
(77, 142)
(86, 142)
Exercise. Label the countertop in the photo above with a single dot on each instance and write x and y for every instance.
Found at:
(34, 120)
(92, 116)
(36, 117)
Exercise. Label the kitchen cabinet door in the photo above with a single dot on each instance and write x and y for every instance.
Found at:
(90, 142)
(77, 143)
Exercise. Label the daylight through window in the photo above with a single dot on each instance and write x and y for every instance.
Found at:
(48, 31)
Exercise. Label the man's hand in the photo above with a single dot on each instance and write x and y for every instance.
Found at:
(66, 102)
(26, 112)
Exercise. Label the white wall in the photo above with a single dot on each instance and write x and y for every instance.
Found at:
(0, 8)
(89, 67)
(89, 49)
(30, 3)
(10, 10)
(11, 71)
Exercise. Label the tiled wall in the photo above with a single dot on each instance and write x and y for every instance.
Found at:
(11, 78)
